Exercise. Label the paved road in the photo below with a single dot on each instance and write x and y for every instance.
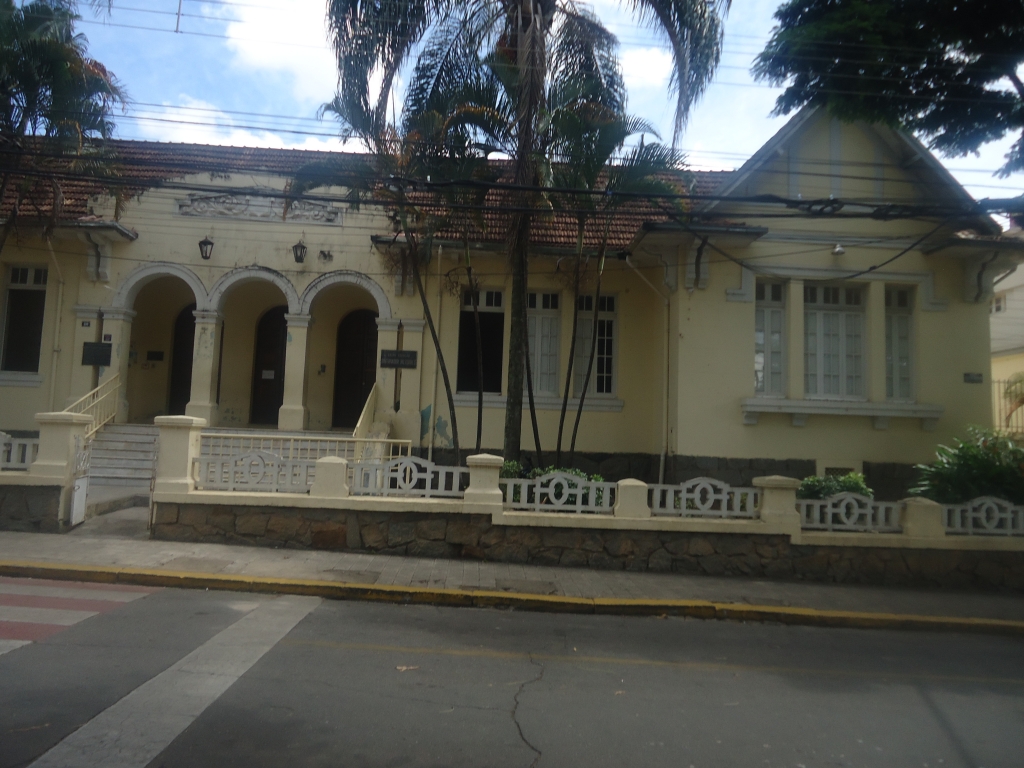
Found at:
(175, 678)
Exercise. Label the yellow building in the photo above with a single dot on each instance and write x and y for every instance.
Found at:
(756, 339)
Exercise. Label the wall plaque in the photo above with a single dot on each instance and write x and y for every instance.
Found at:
(398, 358)
(974, 378)
(96, 353)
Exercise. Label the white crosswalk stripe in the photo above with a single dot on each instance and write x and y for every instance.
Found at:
(60, 616)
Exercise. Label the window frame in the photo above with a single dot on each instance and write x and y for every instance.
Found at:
(534, 316)
(32, 284)
(893, 310)
(490, 301)
(845, 310)
(582, 352)
(766, 305)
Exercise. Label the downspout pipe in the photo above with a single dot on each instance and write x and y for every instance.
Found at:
(668, 344)
(56, 326)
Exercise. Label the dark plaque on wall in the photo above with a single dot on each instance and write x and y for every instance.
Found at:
(96, 353)
(154, 355)
(398, 358)
(973, 378)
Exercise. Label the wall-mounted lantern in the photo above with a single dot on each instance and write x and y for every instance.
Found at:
(206, 248)
(299, 252)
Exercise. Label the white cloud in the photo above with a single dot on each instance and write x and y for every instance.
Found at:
(290, 40)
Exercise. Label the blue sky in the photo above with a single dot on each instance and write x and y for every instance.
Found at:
(254, 72)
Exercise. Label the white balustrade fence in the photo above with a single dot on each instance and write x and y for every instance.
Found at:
(299, 448)
(703, 497)
(985, 516)
(559, 492)
(407, 476)
(258, 471)
(17, 452)
(849, 512)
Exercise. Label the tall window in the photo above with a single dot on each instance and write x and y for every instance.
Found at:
(769, 319)
(492, 336)
(602, 379)
(833, 341)
(898, 310)
(543, 327)
(23, 319)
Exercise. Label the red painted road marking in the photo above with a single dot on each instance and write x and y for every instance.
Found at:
(77, 584)
(68, 603)
(46, 595)
(23, 630)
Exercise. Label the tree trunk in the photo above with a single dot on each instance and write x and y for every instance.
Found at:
(572, 343)
(516, 341)
(590, 362)
(529, 377)
(437, 349)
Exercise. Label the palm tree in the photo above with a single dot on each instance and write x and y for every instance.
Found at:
(373, 41)
(53, 90)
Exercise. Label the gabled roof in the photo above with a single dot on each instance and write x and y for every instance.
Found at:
(896, 139)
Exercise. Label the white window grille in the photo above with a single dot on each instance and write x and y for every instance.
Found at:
(833, 341)
(544, 327)
(898, 316)
(998, 304)
(769, 322)
(602, 379)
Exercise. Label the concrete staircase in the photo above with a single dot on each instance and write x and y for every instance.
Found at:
(123, 455)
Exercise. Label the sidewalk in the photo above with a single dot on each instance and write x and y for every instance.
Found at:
(115, 547)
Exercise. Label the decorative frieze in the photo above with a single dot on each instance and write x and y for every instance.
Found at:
(258, 208)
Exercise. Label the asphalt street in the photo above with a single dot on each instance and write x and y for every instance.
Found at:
(105, 675)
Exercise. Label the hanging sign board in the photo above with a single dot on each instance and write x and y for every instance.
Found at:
(398, 358)
(96, 353)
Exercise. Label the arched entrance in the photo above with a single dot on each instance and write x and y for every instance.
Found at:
(355, 366)
(181, 361)
(268, 366)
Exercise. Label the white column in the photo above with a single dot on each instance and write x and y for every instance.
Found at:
(60, 436)
(292, 414)
(178, 445)
(387, 338)
(87, 329)
(408, 418)
(205, 358)
(117, 331)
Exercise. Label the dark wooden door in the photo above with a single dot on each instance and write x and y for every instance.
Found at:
(181, 361)
(268, 366)
(355, 366)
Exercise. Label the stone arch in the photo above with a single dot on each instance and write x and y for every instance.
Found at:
(248, 274)
(349, 277)
(140, 276)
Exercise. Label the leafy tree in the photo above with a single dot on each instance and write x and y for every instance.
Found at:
(985, 464)
(378, 38)
(52, 92)
(946, 70)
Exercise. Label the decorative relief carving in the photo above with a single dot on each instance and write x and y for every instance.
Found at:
(257, 207)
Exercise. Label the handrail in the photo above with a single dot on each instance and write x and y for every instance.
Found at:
(100, 403)
(366, 415)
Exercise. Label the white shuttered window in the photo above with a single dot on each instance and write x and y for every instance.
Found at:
(898, 312)
(769, 322)
(602, 379)
(833, 341)
(544, 328)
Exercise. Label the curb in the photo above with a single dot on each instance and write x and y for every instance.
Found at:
(466, 598)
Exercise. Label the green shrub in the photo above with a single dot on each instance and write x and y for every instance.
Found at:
(815, 487)
(987, 463)
(539, 471)
(512, 469)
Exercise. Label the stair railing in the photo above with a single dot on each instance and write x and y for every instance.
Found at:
(100, 403)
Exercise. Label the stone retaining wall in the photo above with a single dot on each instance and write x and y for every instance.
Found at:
(473, 536)
(32, 508)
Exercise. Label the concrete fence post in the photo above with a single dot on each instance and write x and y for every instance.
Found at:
(57, 437)
(331, 479)
(178, 445)
(483, 496)
(631, 499)
(778, 503)
(923, 518)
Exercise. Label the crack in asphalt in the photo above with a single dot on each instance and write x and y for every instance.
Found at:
(515, 711)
